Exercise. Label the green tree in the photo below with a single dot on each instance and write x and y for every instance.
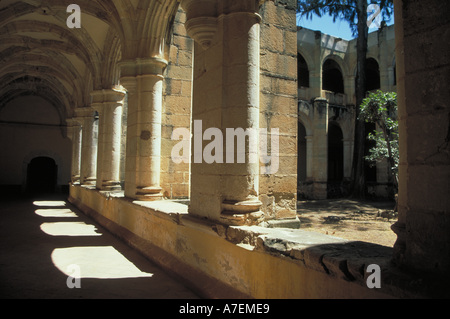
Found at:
(381, 108)
(355, 13)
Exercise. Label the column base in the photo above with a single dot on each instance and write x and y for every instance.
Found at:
(89, 181)
(240, 213)
(148, 193)
(75, 179)
(110, 186)
(320, 190)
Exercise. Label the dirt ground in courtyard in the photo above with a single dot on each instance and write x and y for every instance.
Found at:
(350, 219)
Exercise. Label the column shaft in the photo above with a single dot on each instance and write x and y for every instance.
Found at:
(88, 166)
(109, 104)
(226, 92)
(76, 152)
(240, 181)
(144, 82)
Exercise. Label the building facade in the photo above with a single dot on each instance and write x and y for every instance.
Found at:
(326, 92)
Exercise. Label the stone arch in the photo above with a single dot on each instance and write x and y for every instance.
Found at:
(332, 75)
(303, 72)
(304, 119)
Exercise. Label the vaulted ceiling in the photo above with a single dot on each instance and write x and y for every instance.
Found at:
(40, 55)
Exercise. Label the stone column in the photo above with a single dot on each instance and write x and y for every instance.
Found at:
(75, 136)
(88, 166)
(241, 110)
(226, 96)
(320, 145)
(108, 104)
(309, 157)
(348, 157)
(143, 80)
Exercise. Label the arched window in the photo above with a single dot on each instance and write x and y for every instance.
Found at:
(372, 75)
(332, 79)
(42, 173)
(302, 72)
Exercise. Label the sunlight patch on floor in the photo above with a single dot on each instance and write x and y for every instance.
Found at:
(69, 229)
(96, 262)
(49, 203)
(55, 213)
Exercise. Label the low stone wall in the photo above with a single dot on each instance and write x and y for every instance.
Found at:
(221, 261)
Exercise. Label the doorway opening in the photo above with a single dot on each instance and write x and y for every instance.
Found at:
(42, 174)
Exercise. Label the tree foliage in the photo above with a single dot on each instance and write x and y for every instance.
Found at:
(381, 108)
(346, 10)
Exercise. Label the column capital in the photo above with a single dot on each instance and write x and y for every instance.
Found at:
(202, 16)
(84, 112)
(131, 69)
(108, 95)
(105, 97)
(73, 122)
(142, 66)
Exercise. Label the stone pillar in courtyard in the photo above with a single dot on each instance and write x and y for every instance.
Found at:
(108, 104)
(88, 165)
(423, 69)
(320, 145)
(348, 157)
(74, 133)
(143, 80)
(225, 96)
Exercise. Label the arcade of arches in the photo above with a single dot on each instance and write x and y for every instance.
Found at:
(327, 70)
(94, 109)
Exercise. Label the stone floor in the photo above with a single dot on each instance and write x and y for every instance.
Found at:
(45, 242)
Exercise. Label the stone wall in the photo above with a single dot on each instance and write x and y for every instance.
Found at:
(278, 107)
(177, 93)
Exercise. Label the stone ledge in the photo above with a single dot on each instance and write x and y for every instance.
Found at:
(332, 255)
(338, 259)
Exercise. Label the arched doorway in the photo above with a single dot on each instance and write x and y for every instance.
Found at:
(42, 174)
(335, 160)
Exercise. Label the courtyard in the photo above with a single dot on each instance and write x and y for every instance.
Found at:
(357, 220)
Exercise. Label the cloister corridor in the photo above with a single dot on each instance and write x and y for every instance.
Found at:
(40, 238)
